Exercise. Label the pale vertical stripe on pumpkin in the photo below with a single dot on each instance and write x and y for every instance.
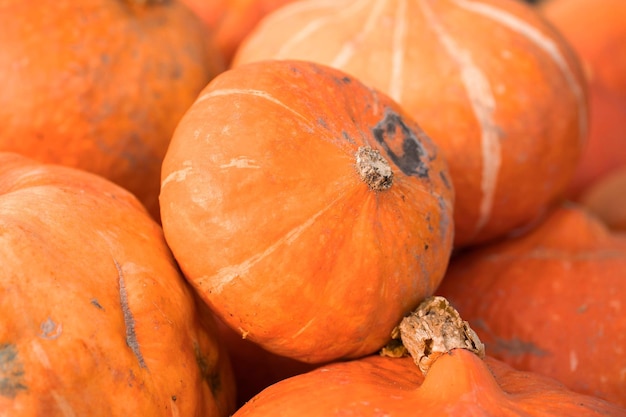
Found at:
(542, 42)
(398, 48)
(40, 354)
(347, 51)
(175, 411)
(483, 105)
(62, 404)
(298, 8)
(573, 361)
(228, 273)
(315, 25)
(241, 162)
(303, 328)
(178, 175)
(257, 93)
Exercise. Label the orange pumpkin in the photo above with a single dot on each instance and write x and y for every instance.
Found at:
(606, 198)
(96, 318)
(308, 210)
(597, 32)
(230, 21)
(456, 383)
(100, 84)
(489, 81)
(254, 367)
(551, 301)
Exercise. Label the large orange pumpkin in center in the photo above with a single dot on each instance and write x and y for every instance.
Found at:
(308, 210)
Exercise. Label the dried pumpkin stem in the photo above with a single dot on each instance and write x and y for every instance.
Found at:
(373, 169)
(432, 330)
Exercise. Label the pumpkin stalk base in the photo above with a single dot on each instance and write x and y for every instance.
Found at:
(374, 169)
(433, 329)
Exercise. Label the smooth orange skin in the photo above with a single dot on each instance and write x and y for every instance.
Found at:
(63, 333)
(458, 384)
(270, 221)
(597, 33)
(231, 21)
(606, 198)
(100, 85)
(551, 301)
(510, 121)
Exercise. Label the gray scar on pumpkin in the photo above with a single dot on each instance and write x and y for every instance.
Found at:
(129, 320)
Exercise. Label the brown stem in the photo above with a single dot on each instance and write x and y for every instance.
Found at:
(374, 169)
(433, 329)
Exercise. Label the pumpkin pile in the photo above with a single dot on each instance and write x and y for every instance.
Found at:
(311, 208)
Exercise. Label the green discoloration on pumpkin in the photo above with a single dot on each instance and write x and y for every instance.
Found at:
(209, 373)
(11, 371)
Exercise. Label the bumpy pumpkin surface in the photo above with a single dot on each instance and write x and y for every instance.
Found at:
(490, 82)
(551, 301)
(309, 211)
(96, 319)
(457, 383)
(597, 33)
(100, 84)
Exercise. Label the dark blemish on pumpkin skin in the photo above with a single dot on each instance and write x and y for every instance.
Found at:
(429, 223)
(208, 373)
(11, 371)
(509, 347)
(444, 220)
(347, 137)
(96, 304)
(50, 330)
(445, 180)
(341, 81)
(392, 129)
(129, 320)
(176, 72)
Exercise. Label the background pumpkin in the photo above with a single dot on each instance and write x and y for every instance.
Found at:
(266, 178)
(490, 82)
(457, 383)
(231, 20)
(96, 318)
(551, 301)
(606, 198)
(597, 33)
(254, 367)
(100, 84)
